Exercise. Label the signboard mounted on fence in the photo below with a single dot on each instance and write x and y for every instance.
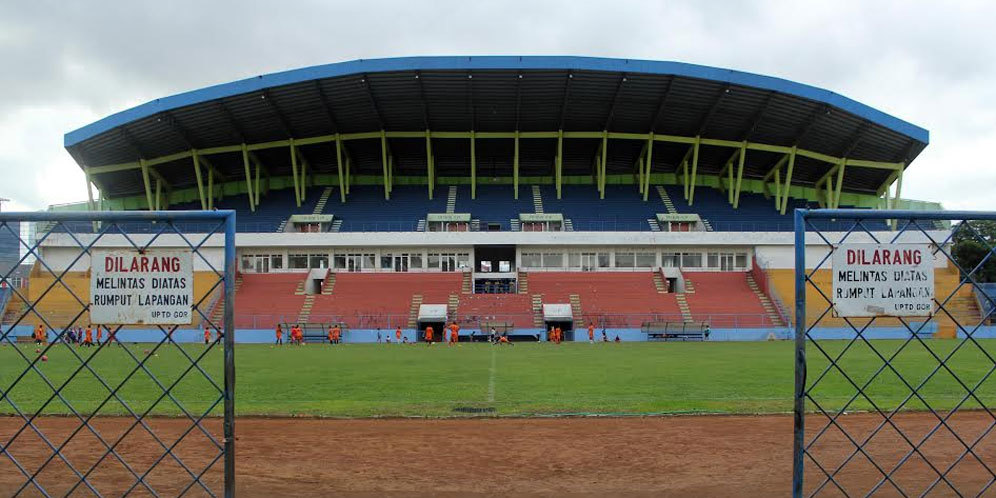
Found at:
(154, 287)
(883, 280)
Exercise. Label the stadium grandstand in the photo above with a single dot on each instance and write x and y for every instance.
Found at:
(511, 192)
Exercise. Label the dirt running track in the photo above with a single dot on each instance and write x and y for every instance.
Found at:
(675, 456)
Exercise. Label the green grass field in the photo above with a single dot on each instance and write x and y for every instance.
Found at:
(365, 380)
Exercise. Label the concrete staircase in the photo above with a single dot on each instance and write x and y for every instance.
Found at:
(666, 199)
(451, 199)
(475, 225)
(707, 225)
(299, 290)
(282, 226)
(413, 310)
(467, 285)
(537, 199)
(576, 311)
(654, 226)
(689, 287)
(686, 313)
(329, 285)
(523, 282)
(305, 313)
(515, 225)
(322, 201)
(568, 226)
(336, 225)
(770, 310)
(537, 305)
(421, 226)
(659, 283)
(218, 312)
(452, 306)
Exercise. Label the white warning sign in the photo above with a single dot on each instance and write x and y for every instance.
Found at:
(155, 287)
(883, 280)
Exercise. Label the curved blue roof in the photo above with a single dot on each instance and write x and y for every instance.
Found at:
(458, 63)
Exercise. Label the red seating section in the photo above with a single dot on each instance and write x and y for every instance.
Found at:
(265, 299)
(514, 308)
(371, 300)
(724, 300)
(604, 294)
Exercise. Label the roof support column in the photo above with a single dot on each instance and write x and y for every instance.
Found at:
(210, 198)
(648, 161)
(428, 161)
(200, 180)
(684, 176)
(349, 173)
(899, 192)
(159, 194)
(778, 190)
(695, 169)
(297, 190)
(338, 165)
(256, 182)
(304, 178)
(245, 165)
(840, 182)
(383, 161)
(473, 165)
(740, 174)
(558, 165)
(515, 167)
(148, 184)
(729, 184)
(604, 168)
(788, 180)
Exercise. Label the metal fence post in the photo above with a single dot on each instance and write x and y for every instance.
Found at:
(230, 355)
(799, 410)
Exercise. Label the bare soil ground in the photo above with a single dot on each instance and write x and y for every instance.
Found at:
(652, 456)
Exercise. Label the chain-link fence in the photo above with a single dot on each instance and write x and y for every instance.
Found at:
(894, 359)
(114, 378)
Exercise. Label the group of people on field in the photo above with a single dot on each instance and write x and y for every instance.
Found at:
(80, 336)
(450, 335)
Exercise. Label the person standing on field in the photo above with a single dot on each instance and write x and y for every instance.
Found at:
(207, 335)
(454, 333)
(280, 336)
(591, 333)
(88, 341)
(428, 335)
(397, 334)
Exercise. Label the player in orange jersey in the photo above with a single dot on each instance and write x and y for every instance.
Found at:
(207, 335)
(454, 333)
(280, 336)
(100, 334)
(331, 335)
(591, 333)
(558, 335)
(336, 334)
(88, 340)
(428, 335)
(397, 334)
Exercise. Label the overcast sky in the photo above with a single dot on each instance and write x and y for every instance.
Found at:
(67, 64)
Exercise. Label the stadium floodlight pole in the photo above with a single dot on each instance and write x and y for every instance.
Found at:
(293, 157)
(338, 164)
(515, 167)
(245, 164)
(740, 174)
(788, 179)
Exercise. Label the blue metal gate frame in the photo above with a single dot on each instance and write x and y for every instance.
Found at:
(904, 221)
(161, 223)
